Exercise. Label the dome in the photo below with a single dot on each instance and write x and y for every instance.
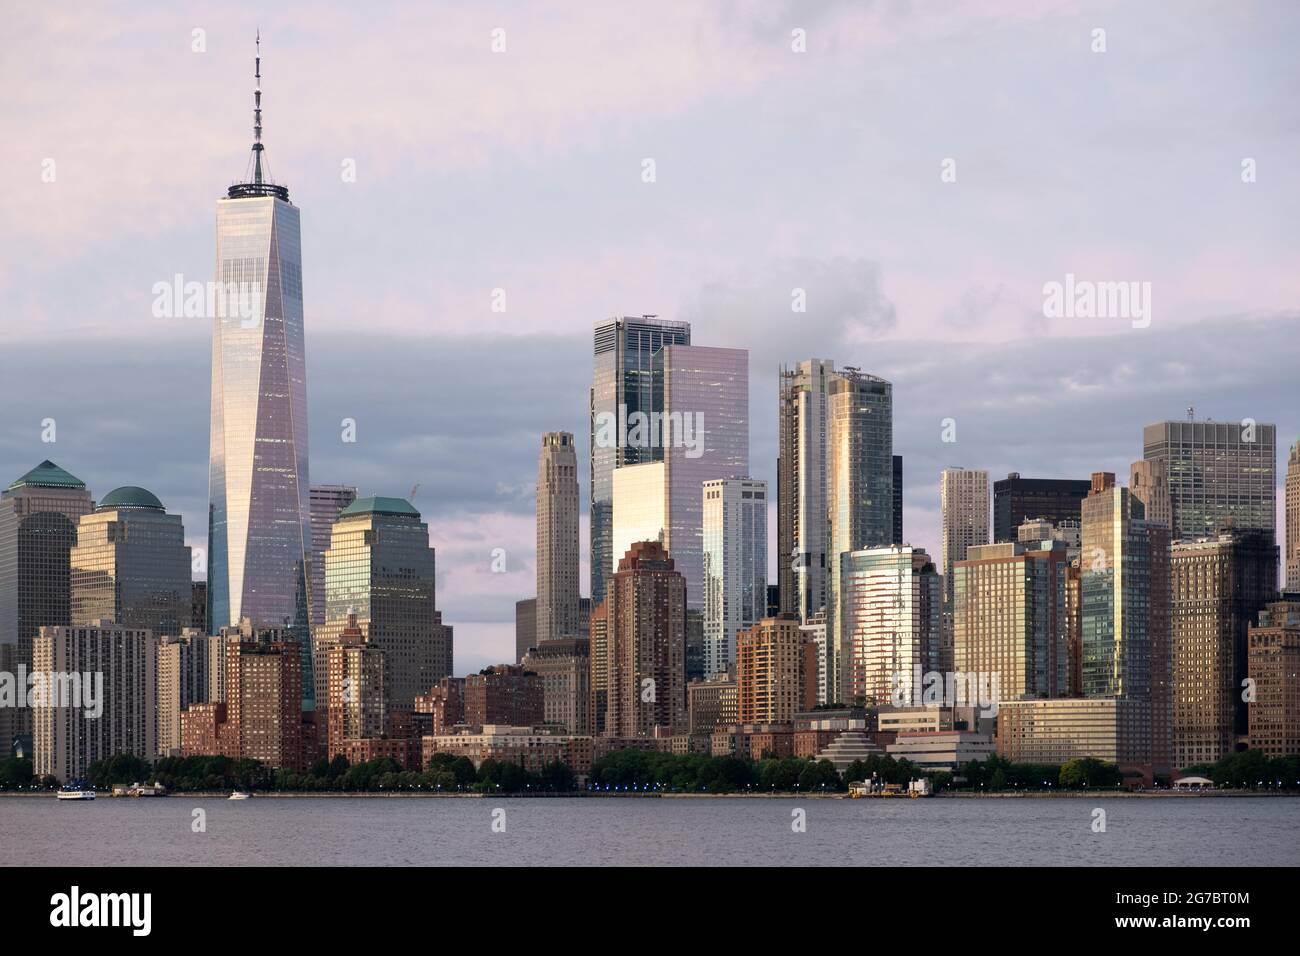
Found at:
(129, 496)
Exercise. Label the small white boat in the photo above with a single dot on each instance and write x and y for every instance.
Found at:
(76, 793)
(240, 795)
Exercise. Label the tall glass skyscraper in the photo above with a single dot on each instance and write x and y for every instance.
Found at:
(803, 530)
(621, 387)
(259, 516)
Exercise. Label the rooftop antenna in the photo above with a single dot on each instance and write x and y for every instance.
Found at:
(414, 489)
(1191, 413)
(257, 111)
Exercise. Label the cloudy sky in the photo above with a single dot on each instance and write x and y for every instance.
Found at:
(921, 170)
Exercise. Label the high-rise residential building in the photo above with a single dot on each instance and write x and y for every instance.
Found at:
(772, 664)
(622, 390)
(803, 534)
(525, 627)
(379, 567)
(1009, 617)
(898, 500)
(891, 613)
(131, 565)
(640, 507)
(735, 565)
(1124, 612)
(1221, 474)
(38, 530)
(444, 703)
(1149, 483)
(356, 703)
(1074, 627)
(815, 631)
(564, 668)
(859, 490)
(964, 502)
(1273, 663)
(638, 650)
(184, 678)
(1291, 554)
(259, 516)
(1016, 498)
(557, 538)
(504, 694)
(326, 503)
(1219, 587)
(264, 718)
(106, 704)
(598, 664)
(705, 435)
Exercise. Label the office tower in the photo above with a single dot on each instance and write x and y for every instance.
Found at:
(642, 662)
(356, 703)
(705, 435)
(1219, 587)
(264, 718)
(712, 703)
(1009, 617)
(859, 490)
(1149, 483)
(898, 499)
(105, 707)
(640, 507)
(1292, 551)
(131, 565)
(622, 390)
(184, 678)
(259, 517)
(1112, 729)
(1274, 666)
(891, 617)
(1124, 592)
(379, 567)
(504, 694)
(1074, 627)
(38, 530)
(803, 533)
(199, 606)
(1016, 498)
(1221, 474)
(326, 503)
(964, 502)
(735, 565)
(525, 627)
(771, 671)
(557, 538)
(564, 668)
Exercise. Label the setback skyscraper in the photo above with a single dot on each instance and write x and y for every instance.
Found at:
(622, 387)
(557, 538)
(131, 565)
(259, 517)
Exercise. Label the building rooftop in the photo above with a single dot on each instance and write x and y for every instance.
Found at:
(47, 475)
(380, 506)
(130, 496)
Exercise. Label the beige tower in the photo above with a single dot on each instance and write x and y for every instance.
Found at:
(557, 538)
(1149, 484)
(1291, 556)
(964, 499)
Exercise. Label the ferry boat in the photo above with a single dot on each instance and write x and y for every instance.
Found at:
(240, 795)
(76, 790)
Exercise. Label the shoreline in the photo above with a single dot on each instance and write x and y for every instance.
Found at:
(417, 795)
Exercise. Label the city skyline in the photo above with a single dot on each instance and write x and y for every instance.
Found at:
(113, 430)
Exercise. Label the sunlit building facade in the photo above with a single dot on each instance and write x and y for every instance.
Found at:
(802, 527)
(557, 538)
(735, 565)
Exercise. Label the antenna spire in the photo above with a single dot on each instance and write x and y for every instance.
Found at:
(257, 111)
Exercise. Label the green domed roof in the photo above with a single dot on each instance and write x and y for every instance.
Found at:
(129, 496)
